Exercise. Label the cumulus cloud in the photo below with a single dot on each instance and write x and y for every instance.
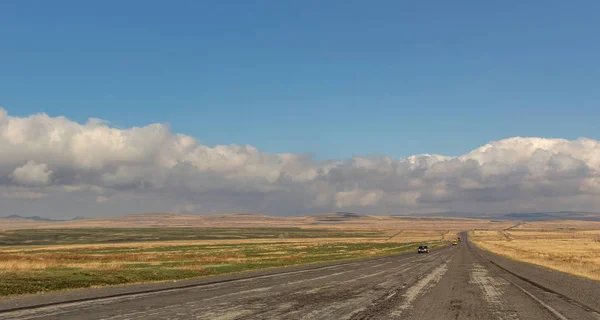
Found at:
(357, 198)
(108, 170)
(33, 174)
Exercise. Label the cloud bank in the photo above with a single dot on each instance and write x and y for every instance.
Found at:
(55, 167)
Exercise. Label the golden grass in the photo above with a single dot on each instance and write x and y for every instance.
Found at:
(160, 244)
(24, 263)
(557, 225)
(411, 235)
(207, 252)
(420, 235)
(572, 251)
(17, 265)
(20, 265)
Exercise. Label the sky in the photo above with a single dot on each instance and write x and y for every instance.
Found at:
(298, 107)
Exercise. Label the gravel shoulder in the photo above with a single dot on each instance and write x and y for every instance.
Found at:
(582, 290)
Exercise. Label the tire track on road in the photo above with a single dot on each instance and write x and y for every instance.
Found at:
(422, 279)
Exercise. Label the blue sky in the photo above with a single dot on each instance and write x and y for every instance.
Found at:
(331, 78)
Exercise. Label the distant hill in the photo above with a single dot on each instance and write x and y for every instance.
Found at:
(35, 218)
(445, 220)
(519, 216)
(346, 220)
(548, 216)
(338, 216)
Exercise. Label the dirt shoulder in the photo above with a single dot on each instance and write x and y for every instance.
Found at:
(583, 290)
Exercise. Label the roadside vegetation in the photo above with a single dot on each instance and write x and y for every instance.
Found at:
(566, 249)
(79, 258)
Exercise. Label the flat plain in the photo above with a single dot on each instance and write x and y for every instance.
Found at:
(452, 282)
(42, 256)
(261, 267)
(41, 260)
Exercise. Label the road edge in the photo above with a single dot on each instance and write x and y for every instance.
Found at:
(580, 290)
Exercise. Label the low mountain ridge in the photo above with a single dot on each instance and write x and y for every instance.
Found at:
(517, 216)
(35, 218)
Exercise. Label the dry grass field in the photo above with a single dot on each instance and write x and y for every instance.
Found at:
(567, 246)
(40, 260)
(39, 256)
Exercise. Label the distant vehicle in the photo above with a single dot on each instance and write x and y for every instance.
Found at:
(459, 238)
(423, 249)
(454, 242)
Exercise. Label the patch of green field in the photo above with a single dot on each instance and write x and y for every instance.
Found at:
(64, 278)
(116, 235)
(24, 271)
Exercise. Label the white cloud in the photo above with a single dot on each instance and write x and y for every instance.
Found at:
(33, 174)
(357, 198)
(131, 170)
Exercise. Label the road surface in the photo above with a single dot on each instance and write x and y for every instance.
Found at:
(451, 282)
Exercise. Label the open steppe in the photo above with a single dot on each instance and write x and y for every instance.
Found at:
(39, 256)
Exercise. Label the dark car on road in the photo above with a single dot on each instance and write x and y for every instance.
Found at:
(423, 249)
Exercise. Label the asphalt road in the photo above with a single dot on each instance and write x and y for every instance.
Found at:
(453, 282)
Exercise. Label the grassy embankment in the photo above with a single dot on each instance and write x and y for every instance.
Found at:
(34, 261)
(571, 250)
